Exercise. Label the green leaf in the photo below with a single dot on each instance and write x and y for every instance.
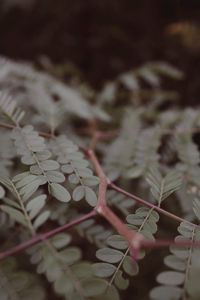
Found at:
(55, 176)
(130, 266)
(82, 270)
(93, 287)
(35, 205)
(61, 240)
(20, 176)
(43, 155)
(166, 293)
(121, 282)
(10, 202)
(25, 181)
(90, 196)
(111, 293)
(117, 242)
(196, 207)
(49, 165)
(104, 270)
(2, 192)
(59, 192)
(73, 179)
(35, 169)
(63, 286)
(171, 278)
(29, 189)
(91, 181)
(175, 263)
(85, 173)
(70, 255)
(41, 219)
(163, 187)
(78, 193)
(14, 214)
(109, 255)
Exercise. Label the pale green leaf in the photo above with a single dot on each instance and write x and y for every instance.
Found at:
(14, 214)
(166, 293)
(2, 192)
(120, 281)
(78, 193)
(90, 196)
(41, 219)
(109, 255)
(55, 176)
(61, 240)
(171, 278)
(117, 242)
(59, 192)
(130, 266)
(93, 287)
(49, 165)
(104, 270)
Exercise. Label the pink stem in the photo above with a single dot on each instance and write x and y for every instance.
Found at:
(135, 240)
(44, 236)
(148, 204)
(167, 243)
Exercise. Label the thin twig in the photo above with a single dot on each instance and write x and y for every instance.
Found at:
(44, 236)
(166, 243)
(10, 126)
(148, 204)
(136, 240)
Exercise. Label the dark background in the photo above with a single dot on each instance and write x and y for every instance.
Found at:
(102, 38)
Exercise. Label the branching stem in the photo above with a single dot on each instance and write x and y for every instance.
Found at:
(135, 239)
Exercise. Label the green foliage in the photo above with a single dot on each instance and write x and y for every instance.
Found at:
(77, 168)
(47, 180)
(43, 170)
(18, 284)
(116, 257)
(161, 188)
(179, 283)
(71, 277)
(9, 108)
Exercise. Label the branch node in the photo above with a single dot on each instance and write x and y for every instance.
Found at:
(100, 209)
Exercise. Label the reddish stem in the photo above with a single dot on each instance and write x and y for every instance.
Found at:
(167, 243)
(148, 204)
(136, 240)
(44, 236)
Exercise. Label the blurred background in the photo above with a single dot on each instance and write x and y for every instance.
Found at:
(100, 39)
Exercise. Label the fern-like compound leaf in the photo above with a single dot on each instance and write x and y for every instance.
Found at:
(18, 285)
(94, 232)
(10, 109)
(176, 283)
(163, 187)
(72, 277)
(116, 260)
(30, 212)
(196, 207)
(43, 169)
(74, 164)
(146, 153)
(121, 152)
